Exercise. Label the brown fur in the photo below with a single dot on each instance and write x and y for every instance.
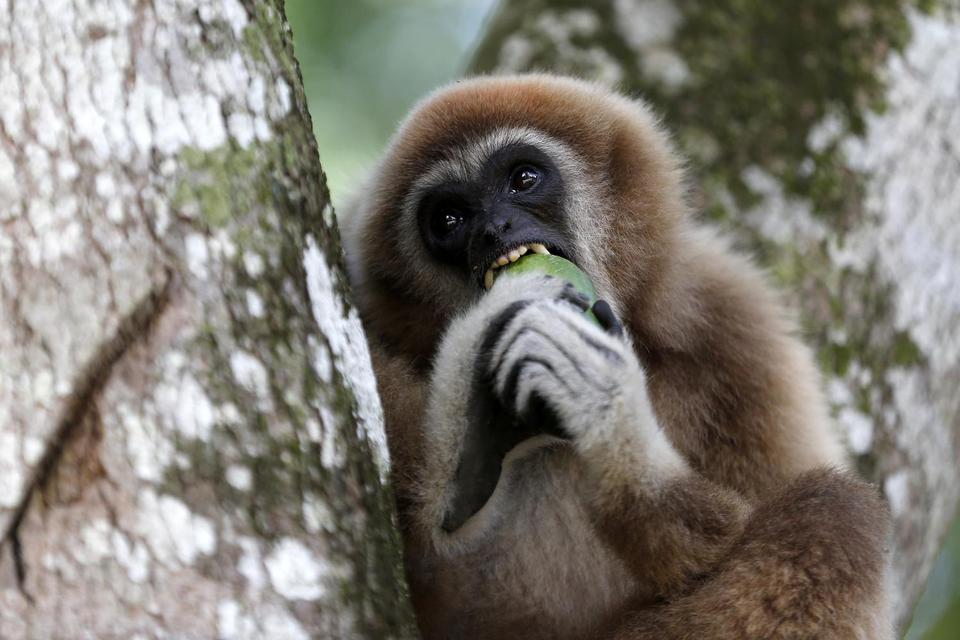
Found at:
(759, 540)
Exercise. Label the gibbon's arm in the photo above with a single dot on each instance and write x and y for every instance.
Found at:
(809, 564)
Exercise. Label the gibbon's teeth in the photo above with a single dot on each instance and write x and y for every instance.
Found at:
(536, 247)
(512, 256)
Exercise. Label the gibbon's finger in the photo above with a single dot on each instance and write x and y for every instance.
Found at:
(608, 320)
(575, 297)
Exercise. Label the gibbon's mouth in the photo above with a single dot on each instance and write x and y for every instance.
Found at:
(506, 256)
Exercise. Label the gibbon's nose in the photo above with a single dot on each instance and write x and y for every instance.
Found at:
(496, 228)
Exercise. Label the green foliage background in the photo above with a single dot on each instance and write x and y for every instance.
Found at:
(366, 62)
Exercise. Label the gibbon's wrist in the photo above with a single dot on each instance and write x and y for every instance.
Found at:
(625, 445)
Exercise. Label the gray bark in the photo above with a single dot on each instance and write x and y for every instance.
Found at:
(191, 444)
(825, 139)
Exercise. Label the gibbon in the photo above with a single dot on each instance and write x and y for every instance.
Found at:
(667, 472)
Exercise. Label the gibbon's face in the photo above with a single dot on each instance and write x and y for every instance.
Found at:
(488, 169)
(508, 206)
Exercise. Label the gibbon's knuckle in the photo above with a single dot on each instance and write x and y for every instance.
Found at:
(540, 379)
(510, 353)
(531, 385)
(509, 377)
(569, 296)
(574, 297)
(497, 330)
(529, 344)
(607, 318)
(526, 376)
(534, 317)
(512, 338)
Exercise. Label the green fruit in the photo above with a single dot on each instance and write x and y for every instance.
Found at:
(557, 267)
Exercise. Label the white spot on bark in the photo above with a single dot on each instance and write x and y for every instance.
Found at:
(252, 375)
(322, 359)
(228, 619)
(148, 449)
(781, 218)
(253, 263)
(648, 26)
(234, 623)
(516, 53)
(239, 477)
(173, 533)
(644, 23)
(250, 565)
(278, 623)
(133, 557)
(106, 187)
(11, 470)
(565, 30)
(283, 101)
(197, 255)
(665, 66)
(241, 128)
(32, 450)
(94, 544)
(236, 16)
(222, 245)
(826, 132)
(859, 429)
(897, 489)
(182, 397)
(561, 26)
(254, 303)
(332, 455)
(328, 217)
(316, 515)
(295, 572)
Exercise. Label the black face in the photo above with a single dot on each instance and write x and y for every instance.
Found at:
(517, 200)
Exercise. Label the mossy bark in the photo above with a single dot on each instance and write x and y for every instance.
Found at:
(823, 138)
(191, 444)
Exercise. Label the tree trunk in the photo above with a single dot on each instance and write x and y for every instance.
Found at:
(191, 444)
(824, 137)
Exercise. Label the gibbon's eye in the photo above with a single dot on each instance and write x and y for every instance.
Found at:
(445, 223)
(524, 178)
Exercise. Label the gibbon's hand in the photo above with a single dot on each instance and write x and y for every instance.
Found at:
(546, 351)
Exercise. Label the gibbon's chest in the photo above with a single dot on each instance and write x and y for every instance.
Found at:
(530, 566)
